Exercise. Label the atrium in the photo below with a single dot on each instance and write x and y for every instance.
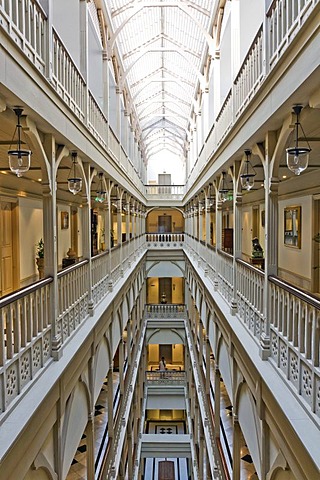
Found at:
(159, 240)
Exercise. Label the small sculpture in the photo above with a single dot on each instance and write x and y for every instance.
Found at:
(257, 251)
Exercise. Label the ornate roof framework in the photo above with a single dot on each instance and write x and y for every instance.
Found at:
(163, 46)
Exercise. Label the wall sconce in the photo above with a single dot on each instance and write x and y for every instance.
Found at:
(19, 159)
(248, 173)
(100, 192)
(74, 182)
(223, 191)
(298, 157)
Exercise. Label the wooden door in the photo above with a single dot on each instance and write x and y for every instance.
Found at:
(164, 224)
(6, 246)
(166, 470)
(165, 288)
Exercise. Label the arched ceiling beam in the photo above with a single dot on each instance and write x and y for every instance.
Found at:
(131, 4)
(162, 79)
(202, 79)
(183, 5)
(162, 36)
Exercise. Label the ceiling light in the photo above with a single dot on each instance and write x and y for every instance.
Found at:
(297, 156)
(19, 159)
(223, 191)
(74, 182)
(248, 173)
(100, 193)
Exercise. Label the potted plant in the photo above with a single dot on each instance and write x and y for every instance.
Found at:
(40, 257)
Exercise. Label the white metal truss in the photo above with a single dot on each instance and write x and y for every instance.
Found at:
(162, 44)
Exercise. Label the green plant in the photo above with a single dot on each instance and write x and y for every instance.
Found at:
(40, 248)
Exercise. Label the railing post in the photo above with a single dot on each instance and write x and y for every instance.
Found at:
(86, 238)
(237, 233)
(271, 185)
(50, 238)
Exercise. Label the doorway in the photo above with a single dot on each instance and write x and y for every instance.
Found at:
(9, 280)
(165, 290)
(164, 224)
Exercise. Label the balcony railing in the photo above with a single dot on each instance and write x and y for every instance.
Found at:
(165, 240)
(26, 330)
(169, 377)
(28, 26)
(284, 20)
(165, 192)
(293, 317)
(171, 310)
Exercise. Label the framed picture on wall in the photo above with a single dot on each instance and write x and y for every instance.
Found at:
(64, 220)
(292, 226)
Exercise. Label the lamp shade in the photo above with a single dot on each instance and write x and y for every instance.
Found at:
(223, 191)
(100, 192)
(74, 181)
(19, 159)
(248, 173)
(298, 156)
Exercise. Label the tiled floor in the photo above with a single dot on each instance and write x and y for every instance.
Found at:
(78, 468)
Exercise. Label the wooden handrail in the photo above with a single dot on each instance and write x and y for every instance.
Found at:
(297, 292)
(22, 292)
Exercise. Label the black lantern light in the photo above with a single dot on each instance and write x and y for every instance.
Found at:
(248, 172)
(74, 182)
(19, 159)
(297, 156)
(100, 192)
(224, 190)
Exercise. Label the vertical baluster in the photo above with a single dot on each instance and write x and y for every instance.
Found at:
(316, 338)
(9, 331)
(15, 327)
(309, 325)
(3, 335)
(24, 316)
(301, 327)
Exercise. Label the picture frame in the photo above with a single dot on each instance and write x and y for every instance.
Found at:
(64, 220)
(292, 226)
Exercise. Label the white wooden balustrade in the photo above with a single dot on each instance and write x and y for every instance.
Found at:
(25, 338)
(26, 23)
(250, 75)
(97, 122)
(73, 298)
(100, 276)
(250, 283)
(295, 339)
(225, 274)
(67, 79)
(284, 19)
(165, 240)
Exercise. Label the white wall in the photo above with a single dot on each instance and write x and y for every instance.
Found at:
(66, 21)
(247, 230)
(225, 56)
(255, 11)
(95, 63)
(291, 259)
(30, 232)
(64, 235)
(166, 162)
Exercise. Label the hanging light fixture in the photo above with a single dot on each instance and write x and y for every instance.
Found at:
(100, 192)
(297, 156)
(74, 182)
(210, 197)
(19, 159)
(248, 173)
(223, 191)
